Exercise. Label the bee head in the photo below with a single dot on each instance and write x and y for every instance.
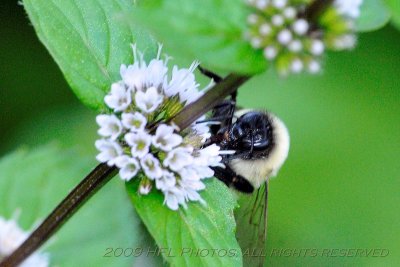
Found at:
(251, 131)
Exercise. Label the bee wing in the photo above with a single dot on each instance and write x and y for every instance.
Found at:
(251, 229)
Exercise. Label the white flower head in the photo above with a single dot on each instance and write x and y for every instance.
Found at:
(280, 29)
(136, 139)
(165, 138)
(151, 166)
(119, 98)
(109, 151)
(139, 143)
(134, 122)
(179, 158)
(128, 167)
(11, 237)
(148, 101)
(110, 126)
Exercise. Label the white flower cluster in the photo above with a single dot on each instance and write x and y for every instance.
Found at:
(11, 237)
(173, 163)
(287, 38)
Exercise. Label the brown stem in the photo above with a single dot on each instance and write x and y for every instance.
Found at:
(220, 91)
(68, 206)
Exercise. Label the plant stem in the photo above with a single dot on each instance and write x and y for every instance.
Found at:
(103, 173)
(68, 206)
(220, 91)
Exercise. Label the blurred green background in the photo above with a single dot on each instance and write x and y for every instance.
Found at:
(340, 186)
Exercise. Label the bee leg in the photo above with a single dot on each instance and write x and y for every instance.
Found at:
(232, 179)
(210, 74)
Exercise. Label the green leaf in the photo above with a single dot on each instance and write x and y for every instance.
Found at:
(373, 15)
(198, 236)
(208, 30)
(394, 6)
(89, 40)
(35, 182)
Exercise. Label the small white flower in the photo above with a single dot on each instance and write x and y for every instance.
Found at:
(178, 158)
(109, 151)
(314, 67)
(277, 20)
(165, 139)
(173, 197)
(156, 72)
(289, 12)
(148, 101)
(110, 126)
(350, 8)
(300, 26)
(128, 166)
(265, 29)
(135, 122)
(119, 98)
(346, 41)
(295, 46)
(279, 3)
(252, 19)
(166, 181)
(151, 166)
(135, 75)
(317, 47)
(296, 66)
(36, 260)
(11, 237)
(261, 4)
(270, 52)
(255, 42)
(139, 143)
(284, 37)
(209, 156)
(202, 171)
(144, 189)
(202, 129)
(190, 188)
(182, 80)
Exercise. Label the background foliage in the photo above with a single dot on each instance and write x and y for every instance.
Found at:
(339, 188)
